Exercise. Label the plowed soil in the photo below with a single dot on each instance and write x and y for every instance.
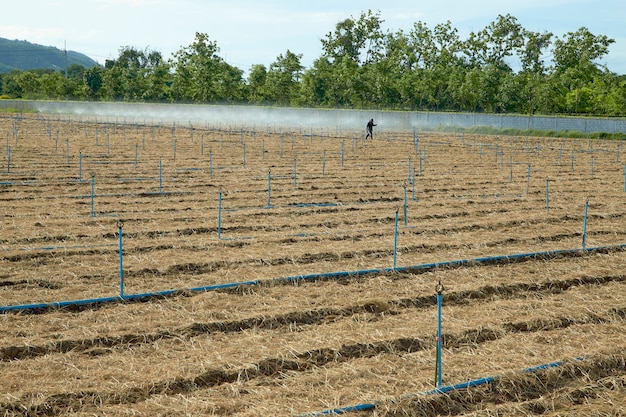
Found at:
(211, 205)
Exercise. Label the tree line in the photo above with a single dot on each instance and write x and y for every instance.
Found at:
(503, 68)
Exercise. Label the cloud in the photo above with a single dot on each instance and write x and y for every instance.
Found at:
(40, 35)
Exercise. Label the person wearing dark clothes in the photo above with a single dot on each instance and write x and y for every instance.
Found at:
(370, 129)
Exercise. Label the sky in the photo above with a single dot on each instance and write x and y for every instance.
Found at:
(250, 32)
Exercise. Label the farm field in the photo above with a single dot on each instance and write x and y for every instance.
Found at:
(362, 230)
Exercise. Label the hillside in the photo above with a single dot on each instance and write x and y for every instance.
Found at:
(23, 55)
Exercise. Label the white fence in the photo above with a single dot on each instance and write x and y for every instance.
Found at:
(261, 117)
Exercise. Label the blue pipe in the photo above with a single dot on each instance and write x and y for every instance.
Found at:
(160, 176)
(547, 197)
(406, 221)
(120, 226)
(314, 205)
(395, 241)
(315, 276)
(269, 188)
(439, 336)
(585, 223)
(103, 245)
(219, 216)
(436, 391)
(413, 186)
(93, 186)
(343, 144)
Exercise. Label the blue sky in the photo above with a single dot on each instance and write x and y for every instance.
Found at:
(252, 32)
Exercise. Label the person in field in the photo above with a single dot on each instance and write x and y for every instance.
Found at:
(370, 129)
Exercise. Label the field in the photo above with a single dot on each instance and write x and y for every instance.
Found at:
(338, 243)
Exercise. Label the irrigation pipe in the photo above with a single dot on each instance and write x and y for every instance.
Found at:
(436, 391)
(308, 277)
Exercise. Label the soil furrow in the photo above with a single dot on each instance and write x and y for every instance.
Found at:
(319, 317)
(301, 362)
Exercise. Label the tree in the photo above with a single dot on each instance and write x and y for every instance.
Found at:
(531, 53)
(11, 86)
(126, 77)
(93, 82)
(360, 40)
(283, 77)
(495, 43)
(157, 77)
(256, 84)
(200, 75)
(29, 84)
(581, 50)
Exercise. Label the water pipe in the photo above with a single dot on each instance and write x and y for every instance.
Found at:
(585, 222)
(326, 275)
(439, 289)
(395, 241)
(547, 196)
(219, 215)
(528, 179)
(120, 226)
(160, 176)
(343, 145)
(295, 175)
(269, 188)
(408, 172)
(406, 221)
(436, 391)
(93, 188)
(413, 186)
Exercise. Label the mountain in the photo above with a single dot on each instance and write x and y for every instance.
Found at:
(23, 55)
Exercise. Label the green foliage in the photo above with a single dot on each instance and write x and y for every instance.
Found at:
(498, 69)
(200, 75)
